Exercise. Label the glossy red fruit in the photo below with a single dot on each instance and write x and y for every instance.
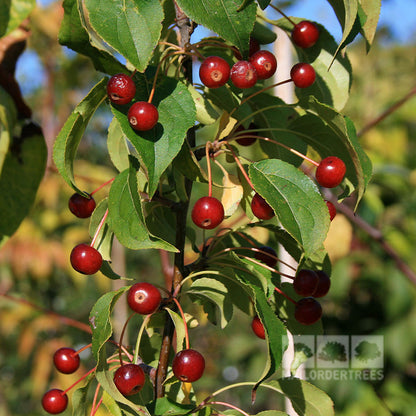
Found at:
(305, 34)
(264, 257)
(144, 298)
(54, 401)
(254, 46)
(86, 259)
(121, 89)
(129, 379)
(261, 209)
(303, 75)
(324, 284)
(214, 72)
(265, 64)
(142, 116)
(305, 282)
(66, 360)
(331, 209)
(243, 75)
(308, 311)
(330, 172)
(207, 213)
(81, 206)
(188, 365)
(258, 327)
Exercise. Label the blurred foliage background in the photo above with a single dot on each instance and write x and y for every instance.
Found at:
(369, 295)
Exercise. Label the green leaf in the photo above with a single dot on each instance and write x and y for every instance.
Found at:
(166, 406)
(8, 118)
(225, 18)
(271, 413)
(73, 35)
(111, 405)
(104, 240)
(332, 134)
(100, 320)
(125, 214)
(179, 328)
(12, 13)
(80, 398)
(117, 146)
(67, 142)
(371, 8)
(159, 146)
(23, 169)
(306, 399)
(131, 27)
(263, 34)
(216, 292)
(295, 199)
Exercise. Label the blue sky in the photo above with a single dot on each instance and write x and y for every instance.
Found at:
(398, 15)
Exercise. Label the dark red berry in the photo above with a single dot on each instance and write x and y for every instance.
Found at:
(263, 255)
(305, 34)
(121, 89)
(305, 282)
(144, 298)
(188, 365)
(54, 401)
(81, 206)
(330, 172)
(66, 360)
(214, 72)
(258, 327)
(86, 259)
(308, 311)
(246, 141)
(243, 74)
(303, 75)
(254, 46)
(129, 379)
(324, 284)
(265, 64)
(142, 116)
(331, 209)
(208, 212)
(261, 209)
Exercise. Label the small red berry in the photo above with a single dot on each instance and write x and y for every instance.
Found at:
(54, 401)
(254, 46)
(86, 259)
(261, 209)
(81, 206)
(305, 34)
(208, 212)
(214, 72)
(246, 141)
(331, 209)
(144, 298)
(66, 360)
(129, 379)
(188, 365)
(330, 172)
(243, 74)
(305, 282)
(324, 284)
(258, 328)
(303, 75)
(263, 255)
(265, 64)
(308, 311)
(142, 116)
(121, 89)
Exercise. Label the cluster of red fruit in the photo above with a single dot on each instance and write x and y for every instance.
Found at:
(142, 115)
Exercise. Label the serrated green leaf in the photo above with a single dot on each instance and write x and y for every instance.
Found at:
(224, 18)
(263, 3)
(159, 146)
(23, 169)
(179, 327)
(100, 320)
(295, 199)
(111, 405)
(8, 118)
(125, 214)
(117, 146)
(12, 13)
(262, 33)
(67, 142)
(372, 9)
(131, 27)
(73, 35)
(166, 406)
